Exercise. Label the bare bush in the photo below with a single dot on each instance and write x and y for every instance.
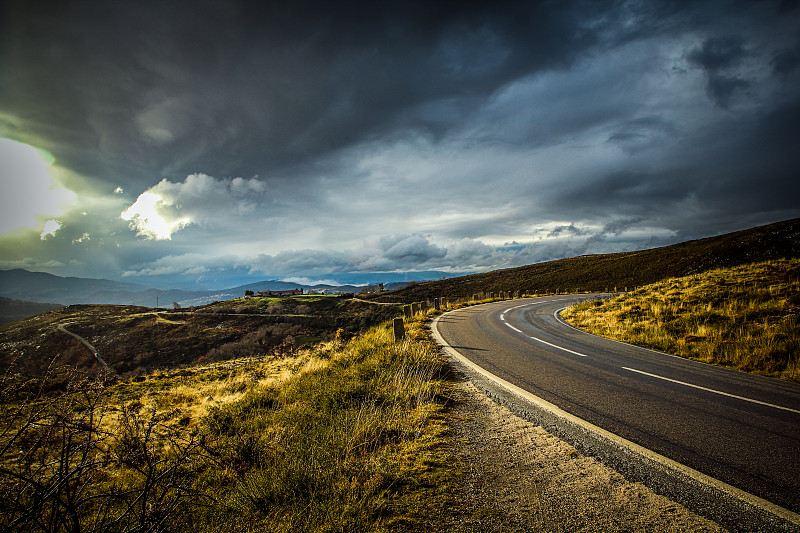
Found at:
(67, 465)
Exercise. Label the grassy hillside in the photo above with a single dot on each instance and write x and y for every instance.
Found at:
(134, 339)
(11, 310)
(343, 437)
(599, 273)
(744, 317)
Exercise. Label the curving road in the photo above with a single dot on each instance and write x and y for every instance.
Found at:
(738, 428)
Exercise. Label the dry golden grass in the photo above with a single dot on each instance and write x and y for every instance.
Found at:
(185, 396)
(743, 317)
(346, 436)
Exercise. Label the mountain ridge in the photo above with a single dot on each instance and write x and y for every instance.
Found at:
(617, 271)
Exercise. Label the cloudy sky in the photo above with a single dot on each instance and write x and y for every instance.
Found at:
(205, 143)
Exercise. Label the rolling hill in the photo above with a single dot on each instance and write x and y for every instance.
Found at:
(601, 273)
(11, 310)
(41, 287)
(135, 339)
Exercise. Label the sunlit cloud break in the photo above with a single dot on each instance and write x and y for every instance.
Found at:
(145, 217)
(50, 228)
(28, 188)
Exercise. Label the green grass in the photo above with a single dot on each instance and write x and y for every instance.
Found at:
(744, 317)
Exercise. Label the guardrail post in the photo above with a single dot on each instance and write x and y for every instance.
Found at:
(415, 308)
(407, 311)
(399, 329)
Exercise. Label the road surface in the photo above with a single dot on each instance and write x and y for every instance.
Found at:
(739, 428)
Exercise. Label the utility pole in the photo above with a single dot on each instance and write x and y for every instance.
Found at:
(156, 302)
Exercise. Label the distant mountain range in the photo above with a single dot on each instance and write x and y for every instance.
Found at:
(596, 273)
(40, 287)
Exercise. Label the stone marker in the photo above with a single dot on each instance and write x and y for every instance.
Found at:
(399, 329)
(407, 311)
(436, 304)
(415, 308)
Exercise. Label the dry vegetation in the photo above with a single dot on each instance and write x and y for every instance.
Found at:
(136, 340)
(744, 317)
(346, 436)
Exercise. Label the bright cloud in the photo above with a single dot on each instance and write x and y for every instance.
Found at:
(168, 207)
(29, 190)
(50, 228)
(149, 218)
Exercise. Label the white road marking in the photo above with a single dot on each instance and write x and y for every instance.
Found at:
(502, 317)
(712, 390)
(664, 464)
(559, 347)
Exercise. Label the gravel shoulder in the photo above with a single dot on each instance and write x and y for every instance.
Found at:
(518, 477)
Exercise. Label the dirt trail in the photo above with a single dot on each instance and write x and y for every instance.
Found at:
(63, 329)
(518, 477)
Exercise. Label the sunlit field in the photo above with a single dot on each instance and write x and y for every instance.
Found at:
(744, 317)
(346, 436)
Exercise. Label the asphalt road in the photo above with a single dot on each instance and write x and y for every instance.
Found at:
(739, 428)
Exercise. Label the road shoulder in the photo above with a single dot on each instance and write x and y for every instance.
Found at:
(519, 477)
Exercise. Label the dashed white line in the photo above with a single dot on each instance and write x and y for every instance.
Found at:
(503, 319)
(712, 390)
(555, 314)
(559, 347)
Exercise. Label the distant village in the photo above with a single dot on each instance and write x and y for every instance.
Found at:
(265, 294)
(367, 289)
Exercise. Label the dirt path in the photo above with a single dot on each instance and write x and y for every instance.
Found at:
(518, 477)
(63, 329)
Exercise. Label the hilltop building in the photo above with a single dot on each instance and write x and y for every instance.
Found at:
(290, 292)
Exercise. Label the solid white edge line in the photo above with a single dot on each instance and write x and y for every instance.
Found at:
(712, 390)
(544, 405)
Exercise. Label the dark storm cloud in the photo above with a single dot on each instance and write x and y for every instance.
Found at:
(569, 230)
(718, 56)
(308, 137)
(787, 61)
(233, 88)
